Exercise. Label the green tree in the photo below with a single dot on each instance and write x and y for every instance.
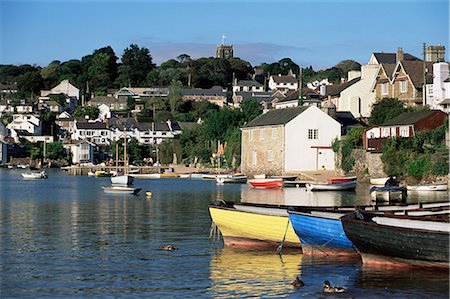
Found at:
(51, 74)
(55, 150)
(384, 110)
(175, 96)
(250, 109)
(99, 79)
(82, 111)
(136, 64)
(30, 84)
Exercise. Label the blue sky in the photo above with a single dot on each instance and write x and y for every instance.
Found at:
(318, 33)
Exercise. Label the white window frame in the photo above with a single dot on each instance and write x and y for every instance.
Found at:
(313, 134)
(269, 155)
(384, 89)
(250, 135)
(385, 132)
(254, 158)
(403, 86)
(261, 134)
(404, 131)
(274, 133)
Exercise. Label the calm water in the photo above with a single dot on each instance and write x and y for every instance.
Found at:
(63, 237)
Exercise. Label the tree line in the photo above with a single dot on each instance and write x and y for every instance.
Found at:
(95, 73)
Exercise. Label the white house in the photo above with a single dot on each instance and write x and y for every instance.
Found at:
(25, 124)
(248, 86)
(63, 87)
(82, 151)
(95, 132)
(283, 83)
(440, 87)
(359, 97)
(289, 141)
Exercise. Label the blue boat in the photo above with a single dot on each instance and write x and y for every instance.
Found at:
(321, 232)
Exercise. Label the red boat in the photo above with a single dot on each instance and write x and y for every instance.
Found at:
(266, 183)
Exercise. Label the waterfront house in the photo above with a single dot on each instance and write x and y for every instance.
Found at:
(81, 151)
(95, 132)
(405, 125)
(441, 87)
(289, 141)
(24, 124)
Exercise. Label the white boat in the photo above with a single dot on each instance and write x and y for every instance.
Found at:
(388, 193)
(378, 181)
(147, 176)
(121, 190)
(209, 176)
(232, 178)
(341, 186)
(124, 180)
(34, 175)
(259, 176)
(196, 176)
(91, 173)
(185, 175)
(428, 187)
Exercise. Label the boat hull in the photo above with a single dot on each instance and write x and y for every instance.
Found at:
(246, 229)
(436, 187)
(340, 186)
(266, 183)
(393, 245)
(121, 190)
(321, 233)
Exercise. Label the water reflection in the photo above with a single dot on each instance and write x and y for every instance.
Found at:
(239, 273)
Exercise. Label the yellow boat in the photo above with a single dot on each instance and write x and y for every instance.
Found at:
(102, 173)
(170, 175)
(253, 225)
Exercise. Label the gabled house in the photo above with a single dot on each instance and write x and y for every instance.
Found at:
(31, 124)
(214, 95)
(289, 141)
(440, 94)
(64, 87)
(81, 151)
(247, 86)
(405, 125)
(283, 83)
(382, 85)
(95, 132)
(50, 106)
(263, 98)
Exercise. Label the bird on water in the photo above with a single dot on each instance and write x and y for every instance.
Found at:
(327, 288)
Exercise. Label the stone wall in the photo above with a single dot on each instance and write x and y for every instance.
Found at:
(367, 164)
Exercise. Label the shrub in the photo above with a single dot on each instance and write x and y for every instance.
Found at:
(419, 166)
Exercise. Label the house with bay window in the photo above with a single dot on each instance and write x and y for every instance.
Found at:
(290, 140)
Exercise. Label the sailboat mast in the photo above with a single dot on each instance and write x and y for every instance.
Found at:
(117, 158)
(125, 162)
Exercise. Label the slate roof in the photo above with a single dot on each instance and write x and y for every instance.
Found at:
(249, 83)
(338, 89)
(415, 71)
(389, 69)
(214, 91)
(346, 118)
(276, 117)
(122, 123)
(91, 125)
(392, 57)
(407, 118)
(284, 79)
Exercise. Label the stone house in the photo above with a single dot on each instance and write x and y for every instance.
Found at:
(289, 140)
(214, 95)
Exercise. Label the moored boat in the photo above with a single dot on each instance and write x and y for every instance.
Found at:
(399, 240)
(266, 183)
(124, 180)
(232, 179)
(253, 226)
(320, 231)
(388, 193)
(378, 181)
(338, 186)
(341, 179)
(34, 175)
(102, 173)
(427, 187)
(120, 190)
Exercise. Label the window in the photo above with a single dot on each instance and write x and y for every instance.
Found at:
(403, 86)
(313, 134)
(274, 133)
(269, 156)
(261, 134)
(404, 131)
(385, 132)
(254, 158)
(384, 89)
(250, 135)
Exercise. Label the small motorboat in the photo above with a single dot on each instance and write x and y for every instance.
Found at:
(102, 173)
(266, 183)
(121, 190)
(340, 186)
(378, 181)
(341, 179)
(34, 175)
(123, 180)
